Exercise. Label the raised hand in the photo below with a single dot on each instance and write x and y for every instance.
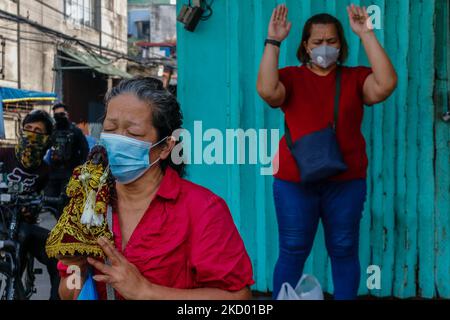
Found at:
(279, 27)
(359, 20)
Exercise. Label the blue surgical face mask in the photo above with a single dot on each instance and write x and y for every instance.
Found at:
(325, 56)
(129, 159)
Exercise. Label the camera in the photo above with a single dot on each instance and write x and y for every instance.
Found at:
(190, 17)
(61, 140)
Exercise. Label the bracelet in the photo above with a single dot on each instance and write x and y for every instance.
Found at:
(272, 42)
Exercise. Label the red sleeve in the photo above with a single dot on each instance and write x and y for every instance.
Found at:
(285, 76)
(218, 255)
(362, 74)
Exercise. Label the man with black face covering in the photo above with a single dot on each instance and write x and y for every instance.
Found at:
(69, 150)
(24, 164)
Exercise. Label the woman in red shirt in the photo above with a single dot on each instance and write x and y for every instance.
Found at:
(306, 95)
(172, 239)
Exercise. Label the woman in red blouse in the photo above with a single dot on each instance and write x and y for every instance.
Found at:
(306, 95)
(172, 239)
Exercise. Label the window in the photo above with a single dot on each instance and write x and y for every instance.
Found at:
(143, 29)
(83, 12)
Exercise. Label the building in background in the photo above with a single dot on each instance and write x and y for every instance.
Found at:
(152, 39)
(74, 48)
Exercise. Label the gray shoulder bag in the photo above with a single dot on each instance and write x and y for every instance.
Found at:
(110, 292)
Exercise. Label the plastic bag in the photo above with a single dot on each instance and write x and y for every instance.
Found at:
(89, 290)
(308, 288)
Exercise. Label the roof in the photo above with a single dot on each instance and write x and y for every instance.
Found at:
(155, 44)
(96, 62)
(9, 95)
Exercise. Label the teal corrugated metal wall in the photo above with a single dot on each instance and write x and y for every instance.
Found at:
(406, 224)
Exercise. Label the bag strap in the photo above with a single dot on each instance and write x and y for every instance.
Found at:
(110, 292)
(337, 97)
(287, 134)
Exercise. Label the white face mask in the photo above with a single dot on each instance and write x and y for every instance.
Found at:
(129, 159)
(324, 56)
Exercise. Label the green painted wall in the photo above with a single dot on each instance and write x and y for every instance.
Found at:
(406, 224)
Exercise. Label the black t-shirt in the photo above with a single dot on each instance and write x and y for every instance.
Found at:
(33, 180)
(80, 148)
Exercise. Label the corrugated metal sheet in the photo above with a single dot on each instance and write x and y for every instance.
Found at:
(406, 224)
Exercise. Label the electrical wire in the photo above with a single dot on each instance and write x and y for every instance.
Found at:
(46, 30)
(208, 8)
(62, 15)
(9, 24)
(38, 10)
(29, 46)
(23, 31)
(56, 35)
(49, 6)
(29, 39)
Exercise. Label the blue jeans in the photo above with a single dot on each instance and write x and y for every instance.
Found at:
(299, 208)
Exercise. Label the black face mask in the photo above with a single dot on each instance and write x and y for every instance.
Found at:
(31, 149)
(62, 122)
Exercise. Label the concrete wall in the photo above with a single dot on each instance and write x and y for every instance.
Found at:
(37, 51)
(162, 20)
(163, 23)
(37, 58)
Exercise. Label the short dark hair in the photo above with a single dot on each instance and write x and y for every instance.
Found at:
(166, 112)
(323, 18)
(60, 105)
(39, 116)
